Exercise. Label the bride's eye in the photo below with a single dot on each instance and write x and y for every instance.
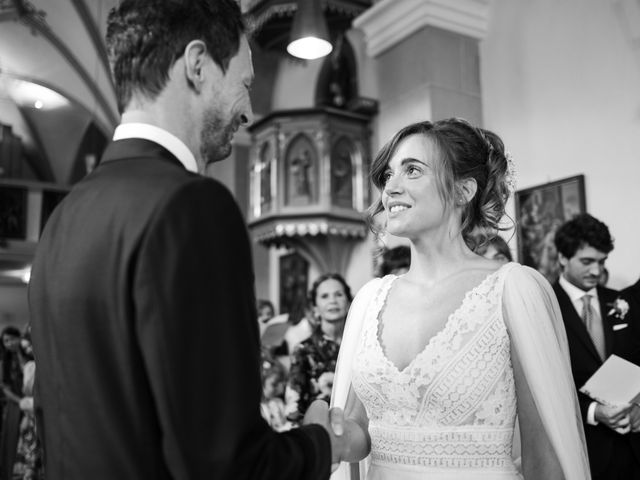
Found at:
(413, 171)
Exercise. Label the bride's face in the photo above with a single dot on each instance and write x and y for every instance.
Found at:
(411, 198)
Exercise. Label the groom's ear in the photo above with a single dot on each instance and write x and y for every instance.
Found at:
(562, 260)
(195, 62)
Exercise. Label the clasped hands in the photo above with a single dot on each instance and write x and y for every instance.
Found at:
(333, 422)
(622, 418)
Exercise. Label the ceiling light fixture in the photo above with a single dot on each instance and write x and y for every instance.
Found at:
(32, 95)
(309, 34)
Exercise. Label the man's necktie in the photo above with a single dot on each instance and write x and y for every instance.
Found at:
(593, 324)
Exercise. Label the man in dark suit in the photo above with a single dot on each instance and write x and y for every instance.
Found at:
(632, 293)
(142, 297)
(597, 326)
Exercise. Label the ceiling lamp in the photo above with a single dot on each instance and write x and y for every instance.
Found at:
(29, 94)
(309, 34)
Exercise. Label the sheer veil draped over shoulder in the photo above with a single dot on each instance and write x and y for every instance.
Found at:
(342, 378)
(536, 331)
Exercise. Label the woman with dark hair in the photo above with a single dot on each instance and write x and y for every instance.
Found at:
(313, 361)
(494, 248)
(436, 364)
(395, 260)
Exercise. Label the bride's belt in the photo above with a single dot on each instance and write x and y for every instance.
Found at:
(434, 447)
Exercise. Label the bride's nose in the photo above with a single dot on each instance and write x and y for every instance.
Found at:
(393, 185)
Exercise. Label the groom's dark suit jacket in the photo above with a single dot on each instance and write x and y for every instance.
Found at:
(604, 444)
(145, 333)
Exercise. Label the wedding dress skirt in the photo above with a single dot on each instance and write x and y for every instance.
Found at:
(450, 414)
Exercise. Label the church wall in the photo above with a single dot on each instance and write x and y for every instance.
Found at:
(295, 84)
(430, 75)
(560, 85)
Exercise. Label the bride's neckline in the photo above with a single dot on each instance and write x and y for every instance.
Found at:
(438, 334)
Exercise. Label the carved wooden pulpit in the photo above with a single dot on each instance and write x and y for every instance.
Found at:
(309, 186)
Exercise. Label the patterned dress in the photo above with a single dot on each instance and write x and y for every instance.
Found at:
(313, 363)
(451, 412)
(28, 465)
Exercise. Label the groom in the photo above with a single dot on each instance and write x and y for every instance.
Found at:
(142, 300)
(597, 326)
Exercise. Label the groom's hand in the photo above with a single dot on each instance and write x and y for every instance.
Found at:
(333, 422)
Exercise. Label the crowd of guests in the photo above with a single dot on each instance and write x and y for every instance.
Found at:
(20, 451)
(288, 392)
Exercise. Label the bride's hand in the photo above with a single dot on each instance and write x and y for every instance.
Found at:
(319, 412)
(333, 422)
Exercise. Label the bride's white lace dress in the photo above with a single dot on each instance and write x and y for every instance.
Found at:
(450, 414)
(452, 410)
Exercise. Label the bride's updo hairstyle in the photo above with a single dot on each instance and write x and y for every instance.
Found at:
(462, 151)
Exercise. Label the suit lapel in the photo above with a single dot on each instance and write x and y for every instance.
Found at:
(573, 321)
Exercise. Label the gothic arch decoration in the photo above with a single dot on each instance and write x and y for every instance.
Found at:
(343, 155)
(301, 172)
(338, 78)
(294, 278)
(264, 169)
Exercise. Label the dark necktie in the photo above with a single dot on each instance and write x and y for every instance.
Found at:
(593, 324)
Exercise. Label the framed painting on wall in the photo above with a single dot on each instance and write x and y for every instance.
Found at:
(540, 210)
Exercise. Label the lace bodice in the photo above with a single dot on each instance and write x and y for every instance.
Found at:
(454, 405)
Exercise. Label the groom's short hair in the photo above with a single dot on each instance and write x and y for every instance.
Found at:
(145, 38)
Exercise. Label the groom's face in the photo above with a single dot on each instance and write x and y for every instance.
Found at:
(228, 105)
(585, 267)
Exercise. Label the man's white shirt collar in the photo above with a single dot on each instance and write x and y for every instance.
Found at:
(160, 136)
(576, 294)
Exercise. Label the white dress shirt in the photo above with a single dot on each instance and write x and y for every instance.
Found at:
(575, 295)
(160, 136)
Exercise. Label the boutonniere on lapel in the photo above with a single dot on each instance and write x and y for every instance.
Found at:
(619, 308)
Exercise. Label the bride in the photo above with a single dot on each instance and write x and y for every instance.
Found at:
(439, 364)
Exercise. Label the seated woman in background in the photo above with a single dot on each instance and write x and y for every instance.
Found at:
(313, 361)
(266, 311)
(494, 248)
(437, 364)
